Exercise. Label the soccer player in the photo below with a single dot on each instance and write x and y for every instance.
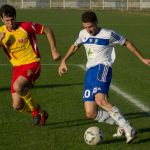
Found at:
(18, 40)
(99, 45)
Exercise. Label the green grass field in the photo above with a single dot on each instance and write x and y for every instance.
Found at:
(62, 96)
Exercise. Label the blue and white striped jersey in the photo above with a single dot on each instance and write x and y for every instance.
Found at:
(99, 48)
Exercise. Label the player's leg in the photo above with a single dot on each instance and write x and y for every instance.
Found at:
(102, 82)
(130, 132)
(102, 101)
(32, 73)
(114, 112)
(90, 88)
(19, 104)
(20, 86)
(108, 119)
(94, 112)
(39, 116)
(90, 109)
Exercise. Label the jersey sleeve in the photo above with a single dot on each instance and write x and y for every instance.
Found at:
(3, 28)
(79, 39)
(116, 38)
(31, 27)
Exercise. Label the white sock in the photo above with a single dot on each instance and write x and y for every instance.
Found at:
(118, 117)
(103, 116)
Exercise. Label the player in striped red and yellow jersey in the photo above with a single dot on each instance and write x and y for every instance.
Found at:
(18, 40)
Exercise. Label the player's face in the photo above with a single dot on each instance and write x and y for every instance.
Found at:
(90, 27)
(9, 22)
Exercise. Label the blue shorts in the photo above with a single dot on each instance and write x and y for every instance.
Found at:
(97, 80)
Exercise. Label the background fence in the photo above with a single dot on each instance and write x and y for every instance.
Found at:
(91, 4)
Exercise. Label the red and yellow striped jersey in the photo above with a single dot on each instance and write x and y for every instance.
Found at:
(20, 45)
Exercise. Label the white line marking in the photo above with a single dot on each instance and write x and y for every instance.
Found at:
(128, 97)
(42, 65)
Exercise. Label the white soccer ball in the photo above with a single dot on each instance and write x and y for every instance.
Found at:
(93, 136)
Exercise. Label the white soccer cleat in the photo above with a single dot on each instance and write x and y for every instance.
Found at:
(130, 136)
(120, 132)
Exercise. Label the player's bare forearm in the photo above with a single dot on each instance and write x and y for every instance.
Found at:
(51, 38)
(63, 66)
(2, 35)
(70, 52)
(136, 52)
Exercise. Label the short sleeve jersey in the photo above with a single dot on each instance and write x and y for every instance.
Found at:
(20, 45)
(99, 48)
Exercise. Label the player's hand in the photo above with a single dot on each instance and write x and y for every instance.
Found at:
(146, 62)
(2, 35)
(56, 56)
(62, 68)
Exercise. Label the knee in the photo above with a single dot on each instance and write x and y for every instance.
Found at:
(17, 88)
(18, 106)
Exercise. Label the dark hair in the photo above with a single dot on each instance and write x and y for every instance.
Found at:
(89, 16)
(7, 10)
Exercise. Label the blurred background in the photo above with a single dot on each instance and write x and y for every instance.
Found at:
(92, 4)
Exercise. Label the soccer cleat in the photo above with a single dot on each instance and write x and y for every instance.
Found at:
(120, 132)
(36, 117)
(130, 136)
(43, 118)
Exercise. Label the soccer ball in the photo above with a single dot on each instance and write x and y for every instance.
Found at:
(93, 136)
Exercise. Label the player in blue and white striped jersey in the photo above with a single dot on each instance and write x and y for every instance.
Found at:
(99, 44)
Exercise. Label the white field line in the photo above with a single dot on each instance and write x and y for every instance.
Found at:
(116, 89)
(127, 96)
(41, 64)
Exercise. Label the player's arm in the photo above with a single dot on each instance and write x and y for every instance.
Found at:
(2, 35)
(51, 38)
(63, 67)
(136, 52)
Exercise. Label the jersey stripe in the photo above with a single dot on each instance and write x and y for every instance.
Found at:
(115, 36)
(96, 41)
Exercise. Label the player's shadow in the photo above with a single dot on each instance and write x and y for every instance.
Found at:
(114, 140)
(137, 115)
(83, 122)
(80, 122)
(70, 123)
(144, 130)
(145, 140)
(56, 85)
(46, 86)
(5, 89)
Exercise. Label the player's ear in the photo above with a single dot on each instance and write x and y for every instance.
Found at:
(96, 22)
